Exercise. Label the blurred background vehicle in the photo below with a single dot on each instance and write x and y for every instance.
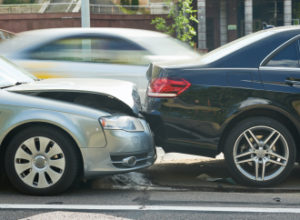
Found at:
(6, 35)
(116, 53)
(47, 143)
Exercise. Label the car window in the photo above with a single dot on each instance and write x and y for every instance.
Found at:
(235, 45)
(97, 50)
(114, 44)
(286, 57)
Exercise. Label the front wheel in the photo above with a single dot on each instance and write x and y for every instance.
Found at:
(41, 161)
(260, 151)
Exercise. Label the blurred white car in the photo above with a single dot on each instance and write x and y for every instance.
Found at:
(4, 34)
(116, 53)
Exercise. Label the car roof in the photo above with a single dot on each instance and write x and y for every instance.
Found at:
(246, 52)
(28, 39)
(283, 28)
(249, 51)
(123, 32)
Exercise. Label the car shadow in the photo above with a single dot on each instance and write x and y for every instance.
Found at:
(211, 175)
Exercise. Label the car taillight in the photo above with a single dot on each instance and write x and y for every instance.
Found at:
(167, 88)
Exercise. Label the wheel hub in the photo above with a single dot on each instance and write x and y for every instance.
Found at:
(40, 162)
(260, 153)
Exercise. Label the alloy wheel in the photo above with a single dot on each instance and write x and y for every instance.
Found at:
(261, 153)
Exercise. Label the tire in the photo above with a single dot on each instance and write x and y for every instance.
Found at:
(41, 160)
(266, 161)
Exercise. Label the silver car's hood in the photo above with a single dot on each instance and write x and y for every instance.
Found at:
(121, 90)
(25, 101)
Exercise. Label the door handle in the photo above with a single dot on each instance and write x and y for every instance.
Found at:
(292, 81)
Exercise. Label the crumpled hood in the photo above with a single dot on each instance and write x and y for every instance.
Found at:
(121, 90)
(30, 102)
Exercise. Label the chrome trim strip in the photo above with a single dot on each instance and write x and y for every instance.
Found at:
(224, 68)
(137, 160)
(161, 95)
(279, 68)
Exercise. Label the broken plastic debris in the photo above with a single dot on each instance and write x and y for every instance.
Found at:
(223, 180)
(277, 199)
(214, 179)
(133, 180)
(208, 178)
(203, 176)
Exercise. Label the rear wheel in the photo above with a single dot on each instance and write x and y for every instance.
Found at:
(260, 152)
(41, 161)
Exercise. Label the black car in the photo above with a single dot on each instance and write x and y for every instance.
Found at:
(242, 99)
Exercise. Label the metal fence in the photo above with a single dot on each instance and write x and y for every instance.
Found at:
(129, 9)
(75, 8)
(20, 8)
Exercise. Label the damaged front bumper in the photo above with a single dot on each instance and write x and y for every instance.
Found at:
(125, 151)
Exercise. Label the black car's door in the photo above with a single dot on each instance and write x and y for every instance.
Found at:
(280, 73)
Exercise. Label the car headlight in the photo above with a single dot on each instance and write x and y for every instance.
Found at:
(125, 123)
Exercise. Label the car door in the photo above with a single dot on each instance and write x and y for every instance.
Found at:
(89, 57)
(280, 73)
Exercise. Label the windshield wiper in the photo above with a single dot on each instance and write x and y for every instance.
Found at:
(16, 84)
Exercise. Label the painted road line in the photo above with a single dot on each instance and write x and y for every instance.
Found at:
(69, 207)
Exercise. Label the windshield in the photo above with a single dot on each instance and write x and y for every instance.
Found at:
(11, 74)
(165, 46)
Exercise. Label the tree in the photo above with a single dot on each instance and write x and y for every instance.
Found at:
(124, 2)
(135, 2)
(183, 15)
(18, 1)
(296, 10)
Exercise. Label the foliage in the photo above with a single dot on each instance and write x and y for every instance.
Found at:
(18, 1)
(296, 9)
(124, 2)
(135, 2)
(131, 10)
(183, 15)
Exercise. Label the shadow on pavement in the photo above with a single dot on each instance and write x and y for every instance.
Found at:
(201, 175)
(211, 175)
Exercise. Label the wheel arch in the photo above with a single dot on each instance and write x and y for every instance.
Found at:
(273, 113)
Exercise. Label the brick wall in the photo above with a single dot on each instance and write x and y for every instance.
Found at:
(23, 22)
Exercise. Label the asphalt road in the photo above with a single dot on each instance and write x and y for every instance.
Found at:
(175, 188)
(86, 203)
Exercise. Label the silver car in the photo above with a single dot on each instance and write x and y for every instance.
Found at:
(117, 53)
(55, 131)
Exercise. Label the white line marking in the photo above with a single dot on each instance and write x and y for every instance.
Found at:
(148, 208)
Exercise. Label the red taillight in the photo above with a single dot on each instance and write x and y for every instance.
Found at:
(165, 87)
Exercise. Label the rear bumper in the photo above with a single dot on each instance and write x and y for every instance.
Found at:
(176, 131)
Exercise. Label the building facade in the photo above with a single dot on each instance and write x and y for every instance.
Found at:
(221, 21)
